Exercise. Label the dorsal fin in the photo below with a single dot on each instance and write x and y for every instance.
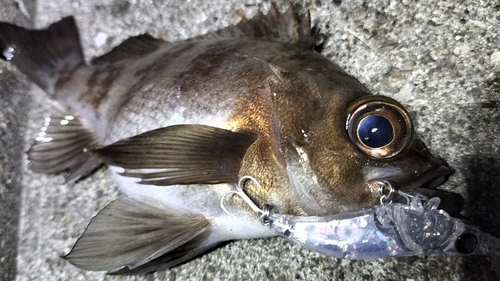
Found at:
(284, 27)
(133, 47)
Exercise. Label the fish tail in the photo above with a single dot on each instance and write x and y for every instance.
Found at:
(44, 56)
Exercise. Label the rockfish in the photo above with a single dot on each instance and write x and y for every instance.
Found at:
(250, 110)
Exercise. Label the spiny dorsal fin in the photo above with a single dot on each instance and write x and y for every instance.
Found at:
(285, 27)
(132, 231)
(180, 154)
(61, 145)
(133, 47)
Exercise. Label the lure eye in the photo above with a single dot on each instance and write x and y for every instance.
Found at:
(379, 126)
(466, 243)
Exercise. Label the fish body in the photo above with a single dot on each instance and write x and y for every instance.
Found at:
(179, 123)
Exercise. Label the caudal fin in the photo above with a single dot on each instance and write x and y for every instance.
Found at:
(43, 55)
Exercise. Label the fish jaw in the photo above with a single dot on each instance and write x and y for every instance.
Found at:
(332, 181)
(417, 168)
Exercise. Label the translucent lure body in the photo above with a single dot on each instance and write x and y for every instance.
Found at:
(389, 230)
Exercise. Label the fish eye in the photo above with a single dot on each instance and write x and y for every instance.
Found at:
(379, 126)
(375, 131)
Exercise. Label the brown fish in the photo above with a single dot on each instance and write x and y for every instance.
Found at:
(179, 123)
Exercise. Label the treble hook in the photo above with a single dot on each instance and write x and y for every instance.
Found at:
(264, 213)
(387, 191)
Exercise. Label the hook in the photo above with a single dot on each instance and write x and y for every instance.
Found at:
(264, 213)
(387, 191)
(239, 191)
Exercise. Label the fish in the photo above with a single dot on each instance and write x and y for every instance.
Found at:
(181, 123)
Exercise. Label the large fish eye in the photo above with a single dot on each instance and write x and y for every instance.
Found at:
(379, 126)
(375, 131)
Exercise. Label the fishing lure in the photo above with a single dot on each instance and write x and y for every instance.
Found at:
(390, 229)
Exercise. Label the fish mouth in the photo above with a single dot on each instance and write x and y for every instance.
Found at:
(424, 184)
(430, 179)
(421, 170)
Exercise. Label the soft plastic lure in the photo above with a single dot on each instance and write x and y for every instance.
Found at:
(386, 230)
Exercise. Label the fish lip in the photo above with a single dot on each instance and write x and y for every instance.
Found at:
(429, 179)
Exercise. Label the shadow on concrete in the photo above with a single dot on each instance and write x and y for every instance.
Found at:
(482, 209)
(13, 120)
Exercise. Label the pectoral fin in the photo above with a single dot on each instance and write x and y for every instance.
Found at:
(180, 154)
(131, 232)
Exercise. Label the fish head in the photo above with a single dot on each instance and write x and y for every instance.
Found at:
(341, 143)
(382, 129)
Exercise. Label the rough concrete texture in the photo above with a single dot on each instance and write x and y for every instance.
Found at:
(14, 104)
(441, 59)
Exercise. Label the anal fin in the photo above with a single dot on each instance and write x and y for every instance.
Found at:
(131, 232)
(61, 146)
(192, 249)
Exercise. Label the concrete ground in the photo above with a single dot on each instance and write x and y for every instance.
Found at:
(441, 59)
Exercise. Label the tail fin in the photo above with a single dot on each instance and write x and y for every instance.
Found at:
(42, 55)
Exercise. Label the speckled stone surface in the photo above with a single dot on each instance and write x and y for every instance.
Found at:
(14, 104)
(441, 59)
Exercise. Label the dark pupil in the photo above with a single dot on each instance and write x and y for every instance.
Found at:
(375, 131)
(466, 243)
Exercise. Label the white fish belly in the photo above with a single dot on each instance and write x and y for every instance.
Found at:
(200, 200)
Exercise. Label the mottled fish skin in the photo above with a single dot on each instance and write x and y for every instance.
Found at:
(176, 85)
(241, 79)
(273, 88)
